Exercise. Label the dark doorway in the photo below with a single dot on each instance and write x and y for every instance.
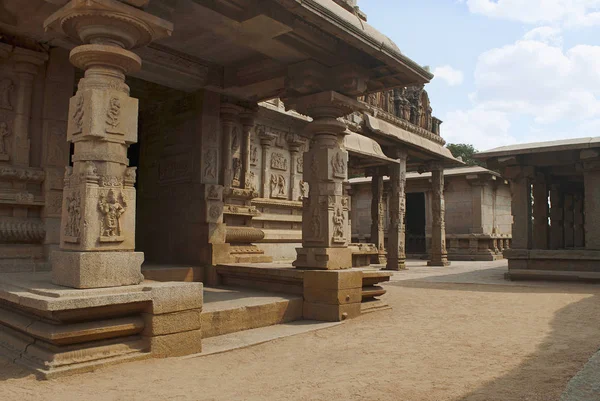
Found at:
(415, 223)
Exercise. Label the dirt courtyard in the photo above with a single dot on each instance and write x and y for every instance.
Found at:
(462, 333)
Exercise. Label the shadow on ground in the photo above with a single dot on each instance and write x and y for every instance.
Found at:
(574, 337)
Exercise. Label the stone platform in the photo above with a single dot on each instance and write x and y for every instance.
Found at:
(563, 264)
(228, 310)
(56, 330)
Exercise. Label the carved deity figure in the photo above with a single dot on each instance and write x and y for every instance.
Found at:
(235, 140)
(73, 215)
(278, 186)
(6, 87)
(253, 155)
(210, 169)
(338, 164)
(315, 223)
(237, 170)
(338, 223)
(111, 209)
(4, 132)
(113, 113)
(303, 189)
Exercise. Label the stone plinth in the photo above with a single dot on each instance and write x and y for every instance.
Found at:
(57, 331)
(553, 264)
(332, 295)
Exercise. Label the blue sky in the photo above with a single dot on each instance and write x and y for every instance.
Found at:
(507, 71)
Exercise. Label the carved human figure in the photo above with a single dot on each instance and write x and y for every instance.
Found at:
(315, 223)
(253, 155)
(235, 140)
(4, 132)
(338, 164)
(338, 223)
(111, 210)
(73, 215)
(114, 110)
(273, 184)
(6, 87)
(237, 170)
(303, 189)
(210, 169)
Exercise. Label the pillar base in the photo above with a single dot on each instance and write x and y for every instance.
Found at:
(439, 263)
(96, 269)
(324, 258)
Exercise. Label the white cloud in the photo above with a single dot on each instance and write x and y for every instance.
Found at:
(484, 129)
(535, 81)
(452, 76)
(568, 12)
(540, 80)
(545, 34)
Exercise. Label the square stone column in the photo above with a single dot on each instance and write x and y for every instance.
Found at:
(325, 212)
(397, 197)
(540, 213)
(439, 255)
(591, 177)
(99, 199)
(557, 240)
(377, 218)
(520, 188)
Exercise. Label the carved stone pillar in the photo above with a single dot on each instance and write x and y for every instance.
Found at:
(579, 221)
(325, 211)
(520, 189)
(557, 240)
(248, 181)
(377, 218)
(296, 183)
(98, 215)
(26, 65)
(568, 222)
(439, 255)
(266, 142)
(231, 166)
(396, 258)
(540, 213)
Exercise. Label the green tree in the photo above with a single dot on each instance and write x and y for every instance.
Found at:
(466, 152)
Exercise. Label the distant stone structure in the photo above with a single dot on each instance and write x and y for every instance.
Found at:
(555, 190)
(477, 213)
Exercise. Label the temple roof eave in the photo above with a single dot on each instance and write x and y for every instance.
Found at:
(422, 145)
(347, 26)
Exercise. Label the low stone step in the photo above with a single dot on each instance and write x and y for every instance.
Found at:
(228, 310)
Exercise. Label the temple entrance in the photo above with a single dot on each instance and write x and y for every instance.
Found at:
(415, 223)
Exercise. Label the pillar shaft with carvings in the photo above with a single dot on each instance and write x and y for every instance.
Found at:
(377, 217)
(26, 64)
(520, 188)
(266, 142)
(248, 179)
(295, 179)
(325, 211)
(396, 258)
(98, 215)
(439, 255)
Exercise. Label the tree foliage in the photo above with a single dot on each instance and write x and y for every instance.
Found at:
(466, 152)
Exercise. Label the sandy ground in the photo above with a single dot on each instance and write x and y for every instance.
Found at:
(448, 337)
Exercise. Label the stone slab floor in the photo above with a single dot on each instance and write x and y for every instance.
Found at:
(460, 333)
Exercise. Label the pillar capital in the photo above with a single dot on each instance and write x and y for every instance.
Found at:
(108, 22)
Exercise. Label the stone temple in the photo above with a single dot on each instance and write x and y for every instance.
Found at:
(153, 149)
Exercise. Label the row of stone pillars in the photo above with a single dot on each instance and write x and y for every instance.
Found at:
(396, 250)
(548, 214)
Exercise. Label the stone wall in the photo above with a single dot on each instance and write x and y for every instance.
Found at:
(35, 87)
(478, 215)
(459, 206)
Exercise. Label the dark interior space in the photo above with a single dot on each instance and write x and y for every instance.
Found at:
(415, 223)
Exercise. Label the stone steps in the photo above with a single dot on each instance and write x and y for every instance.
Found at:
(230, 309)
